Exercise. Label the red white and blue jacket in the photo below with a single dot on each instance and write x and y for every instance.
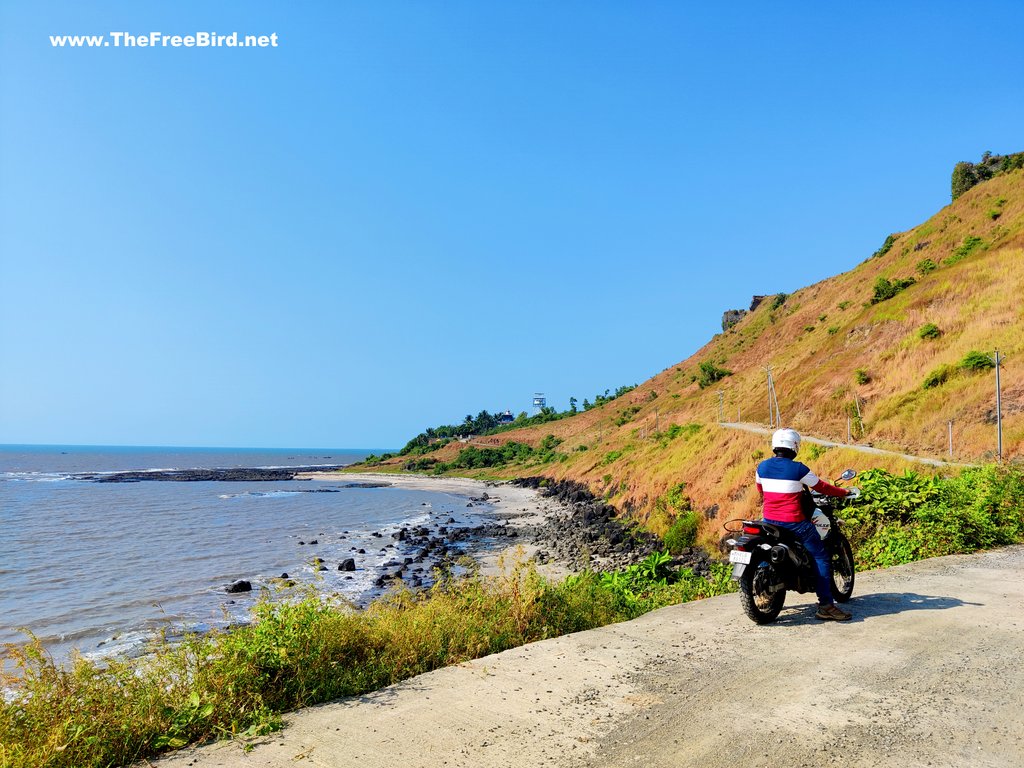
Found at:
(781, 482)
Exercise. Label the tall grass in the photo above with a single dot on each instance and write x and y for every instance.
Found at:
(295, 653)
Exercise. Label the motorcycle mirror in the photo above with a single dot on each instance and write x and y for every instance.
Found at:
(848, 474)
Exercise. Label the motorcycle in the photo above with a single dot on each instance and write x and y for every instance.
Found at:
(769, 560)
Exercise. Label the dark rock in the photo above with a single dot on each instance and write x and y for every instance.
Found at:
(284, 575)
(233, 474)
(314, 541)
(349, 564)
(239, 586)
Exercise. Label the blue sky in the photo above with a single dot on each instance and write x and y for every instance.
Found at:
(411, 211)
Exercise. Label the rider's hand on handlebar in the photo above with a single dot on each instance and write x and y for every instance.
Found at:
(853, 493)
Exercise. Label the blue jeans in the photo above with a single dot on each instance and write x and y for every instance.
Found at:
(811, 539)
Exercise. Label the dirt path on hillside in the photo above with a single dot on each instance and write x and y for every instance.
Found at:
(757, 429)
(928, 673)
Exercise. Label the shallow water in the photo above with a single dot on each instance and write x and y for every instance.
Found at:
(101, 566)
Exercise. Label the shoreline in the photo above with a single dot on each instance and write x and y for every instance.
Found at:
(522, 509)
(560, 525)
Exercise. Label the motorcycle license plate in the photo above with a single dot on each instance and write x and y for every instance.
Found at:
(739, 557)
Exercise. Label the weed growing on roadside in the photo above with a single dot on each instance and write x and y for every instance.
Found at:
(302, 652)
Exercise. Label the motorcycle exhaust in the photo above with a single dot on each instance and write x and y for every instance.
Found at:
(778, 553)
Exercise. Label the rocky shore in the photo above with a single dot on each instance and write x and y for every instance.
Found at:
(584, 532)
(230, 474)
(560, 525)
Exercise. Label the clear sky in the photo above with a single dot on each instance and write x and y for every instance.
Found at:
(411, 211)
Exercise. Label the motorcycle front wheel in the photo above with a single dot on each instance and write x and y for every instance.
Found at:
(842, 570)
(759, 603)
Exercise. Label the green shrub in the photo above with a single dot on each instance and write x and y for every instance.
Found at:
(886, 247)
(964, 177)
(779, 300)
(682, 534)
(843, 304)
(861, 376)
(627, 414)
(975, 361)
(969, 246)
(678, 430)
(710, 373)
(808, 328)
(833, 330)
(929, 331)
(908, 517)
(886, 289)
(938, 376)
(926, 265)
(610, 457)
(815, 451)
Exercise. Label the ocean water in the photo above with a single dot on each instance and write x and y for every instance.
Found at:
(101, 567)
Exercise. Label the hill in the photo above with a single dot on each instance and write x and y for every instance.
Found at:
(892, 350)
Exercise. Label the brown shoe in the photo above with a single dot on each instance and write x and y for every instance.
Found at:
(832, 613)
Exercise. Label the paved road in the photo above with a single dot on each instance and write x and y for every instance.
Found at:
(756, 428)
(929, 672)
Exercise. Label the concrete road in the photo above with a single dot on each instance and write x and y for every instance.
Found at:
(930, 672)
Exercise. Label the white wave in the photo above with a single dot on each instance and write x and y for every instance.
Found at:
(36, 477)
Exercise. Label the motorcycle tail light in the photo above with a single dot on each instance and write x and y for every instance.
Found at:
(751, 529)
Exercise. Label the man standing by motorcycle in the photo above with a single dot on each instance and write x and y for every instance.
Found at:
(781, 482)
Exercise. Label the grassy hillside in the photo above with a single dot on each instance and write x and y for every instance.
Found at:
(893, 332)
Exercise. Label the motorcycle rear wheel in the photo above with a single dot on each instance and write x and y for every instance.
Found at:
(761, 605)
(842, 570)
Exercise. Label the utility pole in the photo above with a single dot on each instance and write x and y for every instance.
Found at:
(655, 419)
(721, 405)
(848, 436)
(951, 438)
(774, 416)
(999, 411)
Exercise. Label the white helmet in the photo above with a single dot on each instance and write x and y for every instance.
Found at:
(786, 438)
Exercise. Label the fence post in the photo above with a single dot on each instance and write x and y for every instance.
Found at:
(999, 412)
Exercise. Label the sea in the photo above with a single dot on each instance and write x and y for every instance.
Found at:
(101, 568)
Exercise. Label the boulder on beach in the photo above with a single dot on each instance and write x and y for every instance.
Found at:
(239, 586)
(349, 564)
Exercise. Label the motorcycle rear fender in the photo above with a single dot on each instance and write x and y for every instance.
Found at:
(758, 548)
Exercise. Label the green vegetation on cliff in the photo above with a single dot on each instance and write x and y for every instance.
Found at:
(967, 175)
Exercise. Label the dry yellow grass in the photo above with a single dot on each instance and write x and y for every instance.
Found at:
(975, 302)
